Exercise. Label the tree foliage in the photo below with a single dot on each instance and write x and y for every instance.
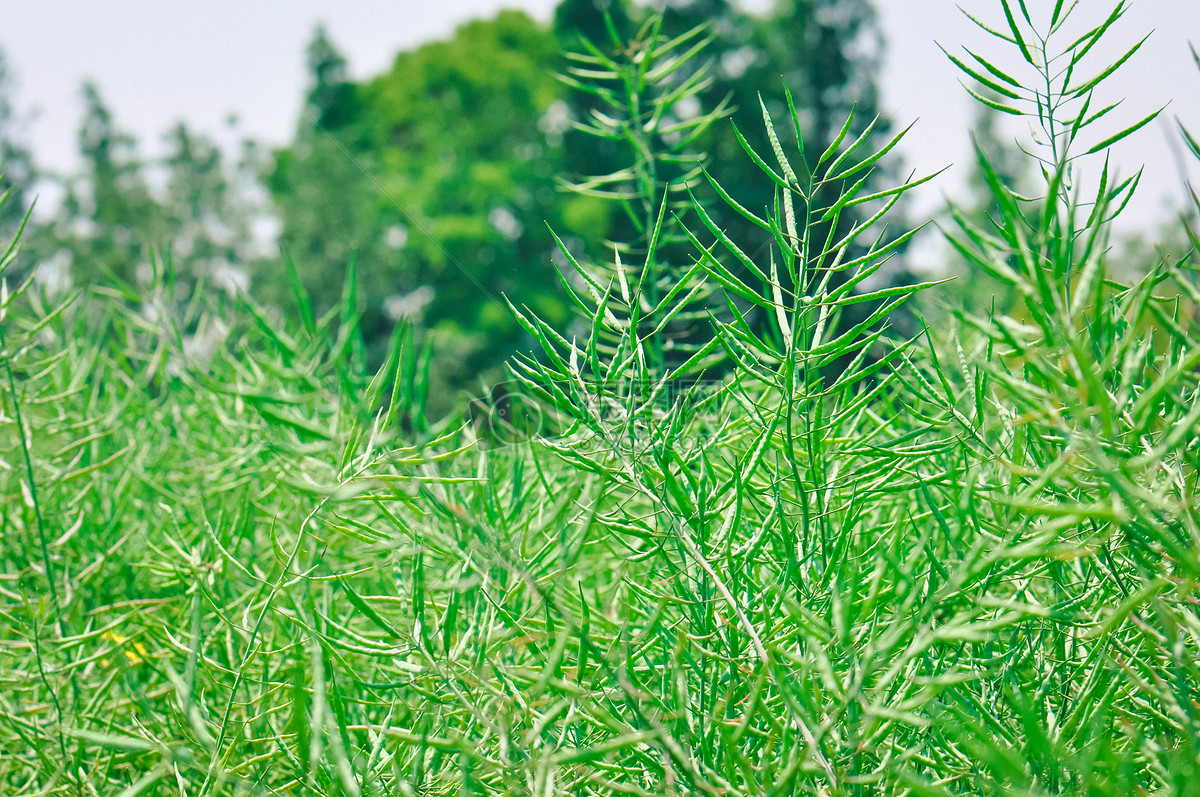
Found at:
(124, 217)
(439, 177)
(16, 161)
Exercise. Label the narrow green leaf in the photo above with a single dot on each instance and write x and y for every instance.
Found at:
(367, 609)
(113, 741)
(1191, 142)
(1002, 90)
(1095, 34)
(831, 150)
(996, 71)
(1108, 142)
(850, 150)
(1016, 32)
(882, 194)
(995, 106)
(759, 162)
(729, 200)
(987, 29)
(873, 158)
(1113, 67)
(1058, 6)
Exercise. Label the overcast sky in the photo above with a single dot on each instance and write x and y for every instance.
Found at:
(157, 62)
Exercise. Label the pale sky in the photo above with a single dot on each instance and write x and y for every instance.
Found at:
(157, 62)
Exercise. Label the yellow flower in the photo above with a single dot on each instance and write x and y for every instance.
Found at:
(136, 656)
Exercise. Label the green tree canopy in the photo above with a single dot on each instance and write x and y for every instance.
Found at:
(438, 176)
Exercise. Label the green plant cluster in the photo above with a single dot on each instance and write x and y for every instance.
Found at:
(443, 176)
(439, 178)
(236, 560)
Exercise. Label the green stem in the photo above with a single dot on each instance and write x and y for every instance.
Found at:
(37, 507)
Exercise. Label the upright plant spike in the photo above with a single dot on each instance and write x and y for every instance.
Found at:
(1070, 441)
(642, 81)
(1064, 116)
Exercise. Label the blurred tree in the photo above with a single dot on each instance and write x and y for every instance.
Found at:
(439, 177)
(108, 218)
(111, 223)
(331, 94)
(207, 211)
(585, 19)
(16, 162)
(321, 194)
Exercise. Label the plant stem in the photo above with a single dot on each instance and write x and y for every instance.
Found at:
(37, 509)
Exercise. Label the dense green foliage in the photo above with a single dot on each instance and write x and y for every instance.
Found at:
(234, 560)
(442, 177)
(438, 179)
